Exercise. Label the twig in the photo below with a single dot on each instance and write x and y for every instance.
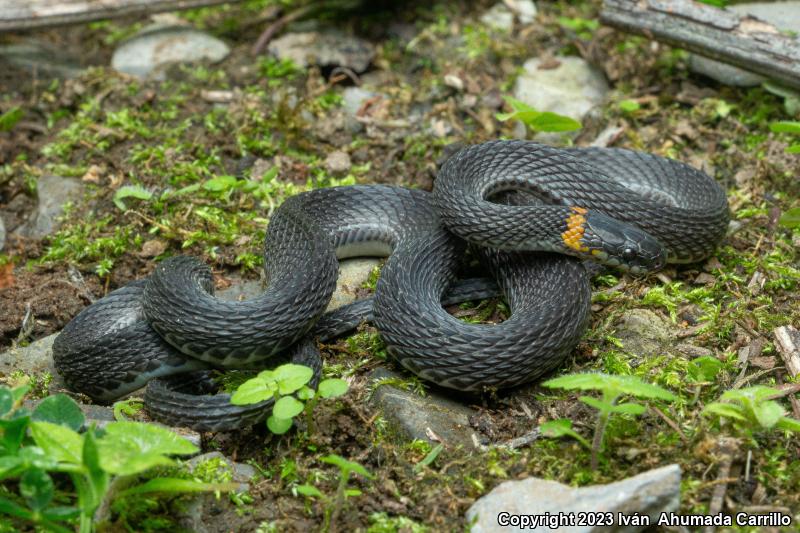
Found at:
(270, 31)
(670, 423)
(728, 447)
(787, 341)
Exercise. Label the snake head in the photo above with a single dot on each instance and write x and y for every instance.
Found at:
(614, 243)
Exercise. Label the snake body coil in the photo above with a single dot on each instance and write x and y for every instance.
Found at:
(532, 212)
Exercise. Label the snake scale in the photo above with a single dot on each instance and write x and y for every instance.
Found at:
(530, 213)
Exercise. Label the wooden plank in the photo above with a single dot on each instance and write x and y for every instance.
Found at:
(29, 14)
(743, 41)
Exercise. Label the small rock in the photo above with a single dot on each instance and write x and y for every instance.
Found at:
(150, 51)
(53, 192)
(454, 81)
(783, 15)
(693, 351)
(352, 275)
(525, 10)
(2, 234)
(414, 417)
(34, 359)
(650, 493)
(153, 248)
(704, 278)
(337, 162)
(642, 332)
(441, 128)
(572, 88)
(40, 59)
(353, 98)
(240, 289)
(499, 17)
(324, 49)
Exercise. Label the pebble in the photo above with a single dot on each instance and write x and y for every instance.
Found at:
(337, 162)
(650, 493)
(149, 52)
(642, 332)
(53, 192)
(783, 15)
(432, 418)
(572, 88)
(353, 98)
(499, 17)
(324, 49)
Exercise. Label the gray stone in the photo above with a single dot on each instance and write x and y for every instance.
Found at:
(642, 332)
(498, 17)
(2, 234)
(324, 49)
(40, 59)
(338, 162)
(572, 88)
(353, 98)
(34, 359)
(53, 192)
(150, 51)
(241, 289)
(647, 494)
(782, 15)
(415, 417)
(524, 9)
(352, 275)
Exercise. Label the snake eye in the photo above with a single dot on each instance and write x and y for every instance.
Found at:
(628, 254)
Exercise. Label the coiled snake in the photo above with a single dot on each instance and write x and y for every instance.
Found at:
(531, 212)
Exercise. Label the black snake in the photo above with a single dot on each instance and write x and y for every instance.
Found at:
(530, 212)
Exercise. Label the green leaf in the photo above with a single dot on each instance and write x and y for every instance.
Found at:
(750, 395)
(612, 384)
(704, 369)
(10, 118)
(59, 409)
(429, 458)
(349, 493)
(19, 392)
(98, 478)
(291, 377)
(309, 491)
(768, 413)
(13, 431)
(287, 407)
(253, 390)
(6, 400)
(12, 509)
(791, 217)
(331, 388)
(788, 424)
(125, 408)
(59, 442)
(10, 466)
(37, 488)
(168, 484)
(629, 408)
(552, 122)
(130, 191)
(725, 410)
(629, 106)
(785, 126)
(305, 393)
(220, 183)
(133, 447)
(793, 149)
(346, 466)
(279, 426)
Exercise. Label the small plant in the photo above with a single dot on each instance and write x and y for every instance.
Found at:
(38, 445)
(288, 385)
(334, 505)
(702, 371)
(537, 121)
(612, 389)
(752, 409)
(10, 118)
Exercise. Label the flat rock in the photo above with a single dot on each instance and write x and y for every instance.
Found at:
(783, 15)
(498, 17)
(414, 417)
(324, 49)
(353, 98)
(40, 59)
(52, 192)
(352, 275)
(34, 359)
(572, 88)
(647, 494)
(642, 332)
(150, 51)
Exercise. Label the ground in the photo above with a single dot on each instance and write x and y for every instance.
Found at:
(113, 131)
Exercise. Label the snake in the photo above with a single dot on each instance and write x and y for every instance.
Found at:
(531, 215)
